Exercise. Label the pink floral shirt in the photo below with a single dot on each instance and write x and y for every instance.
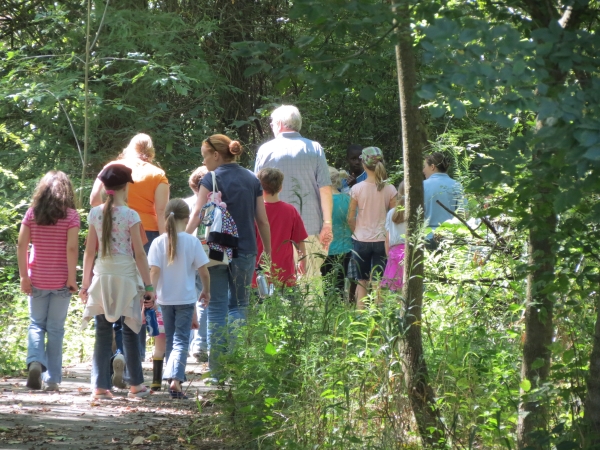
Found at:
(123, 219)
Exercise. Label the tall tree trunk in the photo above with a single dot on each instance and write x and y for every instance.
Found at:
(592, 398)
(414, 139)
(539, 327)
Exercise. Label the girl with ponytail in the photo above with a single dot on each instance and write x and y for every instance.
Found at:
(370, 201)
(120, 284)
(174, 259)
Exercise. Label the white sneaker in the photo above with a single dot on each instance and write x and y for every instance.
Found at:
(118, 370)
(49, 386)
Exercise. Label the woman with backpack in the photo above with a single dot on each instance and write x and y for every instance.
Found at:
(242, 195)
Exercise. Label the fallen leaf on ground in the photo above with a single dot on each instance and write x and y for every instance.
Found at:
(139, 440)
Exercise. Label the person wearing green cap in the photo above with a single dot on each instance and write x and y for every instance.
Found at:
(372, 198)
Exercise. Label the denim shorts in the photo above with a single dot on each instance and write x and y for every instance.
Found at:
(368, 259)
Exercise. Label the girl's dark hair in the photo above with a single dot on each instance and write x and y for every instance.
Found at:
(439, 160)
(107, 219)
(177, 209)
(52, 197)
(228, 149)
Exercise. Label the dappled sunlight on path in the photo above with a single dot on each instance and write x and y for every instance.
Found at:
(70, 419)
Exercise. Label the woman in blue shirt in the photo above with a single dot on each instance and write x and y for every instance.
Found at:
(439, 186)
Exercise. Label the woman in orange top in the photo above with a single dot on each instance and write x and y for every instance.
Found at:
(148, 196)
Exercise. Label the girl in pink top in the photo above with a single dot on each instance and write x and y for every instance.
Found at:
(48, 276)
(372, 198)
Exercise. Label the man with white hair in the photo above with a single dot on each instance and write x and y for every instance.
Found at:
(306, 183)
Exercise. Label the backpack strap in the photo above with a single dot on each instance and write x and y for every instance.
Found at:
(214, 180)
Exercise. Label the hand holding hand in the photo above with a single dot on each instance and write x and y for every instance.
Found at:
(149, 298)
(326, 236)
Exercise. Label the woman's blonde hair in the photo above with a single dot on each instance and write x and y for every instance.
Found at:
(177, 209)
(140, 146)
(337, 176)
(380, 174)
(399, 214)
(107, 218)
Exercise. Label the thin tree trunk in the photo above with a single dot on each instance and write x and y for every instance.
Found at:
(592, 398)
(414, 139)
(86, 119)
(539, 326)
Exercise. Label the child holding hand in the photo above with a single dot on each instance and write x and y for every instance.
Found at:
(174, 259)
(48, 276)
(117, 289)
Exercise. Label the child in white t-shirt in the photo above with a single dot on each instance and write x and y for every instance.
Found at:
(174, 259)
(395, 225)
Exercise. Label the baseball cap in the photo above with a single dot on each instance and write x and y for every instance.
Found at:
(115, 175)
(371, 155)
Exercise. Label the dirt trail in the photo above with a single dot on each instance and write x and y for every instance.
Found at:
(71, 420)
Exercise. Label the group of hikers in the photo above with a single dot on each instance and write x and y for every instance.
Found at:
(194, 261)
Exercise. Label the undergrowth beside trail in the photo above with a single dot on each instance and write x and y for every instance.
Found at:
(309, 371)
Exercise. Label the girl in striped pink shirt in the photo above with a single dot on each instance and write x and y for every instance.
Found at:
(48, 276)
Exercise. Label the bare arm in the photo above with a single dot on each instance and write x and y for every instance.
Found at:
(161, 198)
(352, 215)
(201, 200)
(141, 259)
(262, 222)
(22, 247)
(72, 257)
(302, 257)
(88, 262)
(204, 298)
(387, 243)
(326, 235)
(96, 195)
(154, 275)
(393, 203)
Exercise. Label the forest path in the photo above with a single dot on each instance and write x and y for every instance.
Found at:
(70, 419)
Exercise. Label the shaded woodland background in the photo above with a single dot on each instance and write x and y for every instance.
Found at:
(508, 89)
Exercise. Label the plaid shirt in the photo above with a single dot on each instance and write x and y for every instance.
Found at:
(304, 166)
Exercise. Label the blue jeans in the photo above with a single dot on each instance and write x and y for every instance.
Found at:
(178, 321)
(199, 336)
(47, 312)
(229, 295)
(101, 366)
